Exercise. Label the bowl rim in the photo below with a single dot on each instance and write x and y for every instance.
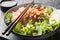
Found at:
(46, 35)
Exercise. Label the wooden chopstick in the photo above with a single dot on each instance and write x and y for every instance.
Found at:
(12, 25)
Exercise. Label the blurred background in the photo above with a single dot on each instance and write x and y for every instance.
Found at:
(54, 3)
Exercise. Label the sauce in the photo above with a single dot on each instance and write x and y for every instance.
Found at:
(8, 3)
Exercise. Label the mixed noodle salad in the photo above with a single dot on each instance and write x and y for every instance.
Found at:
(38, 20)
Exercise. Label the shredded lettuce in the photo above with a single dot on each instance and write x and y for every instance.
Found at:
(38, 28)
(18, 27)
(8, 17)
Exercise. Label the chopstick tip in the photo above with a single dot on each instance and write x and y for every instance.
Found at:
(7, 34)
(3, 33)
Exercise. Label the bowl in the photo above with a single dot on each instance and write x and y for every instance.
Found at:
(40, 37)
(6, 5)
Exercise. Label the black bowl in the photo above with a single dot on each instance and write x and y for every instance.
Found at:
(40, 37)
(5, 8)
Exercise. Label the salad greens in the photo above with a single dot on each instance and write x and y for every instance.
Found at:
(18, 27)
(29, 29)
(39, 28)
(49, 10)
(8, 17)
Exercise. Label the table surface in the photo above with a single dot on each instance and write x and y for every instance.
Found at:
(54, 3)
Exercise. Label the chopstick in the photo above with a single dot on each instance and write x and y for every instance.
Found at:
(13, 24)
